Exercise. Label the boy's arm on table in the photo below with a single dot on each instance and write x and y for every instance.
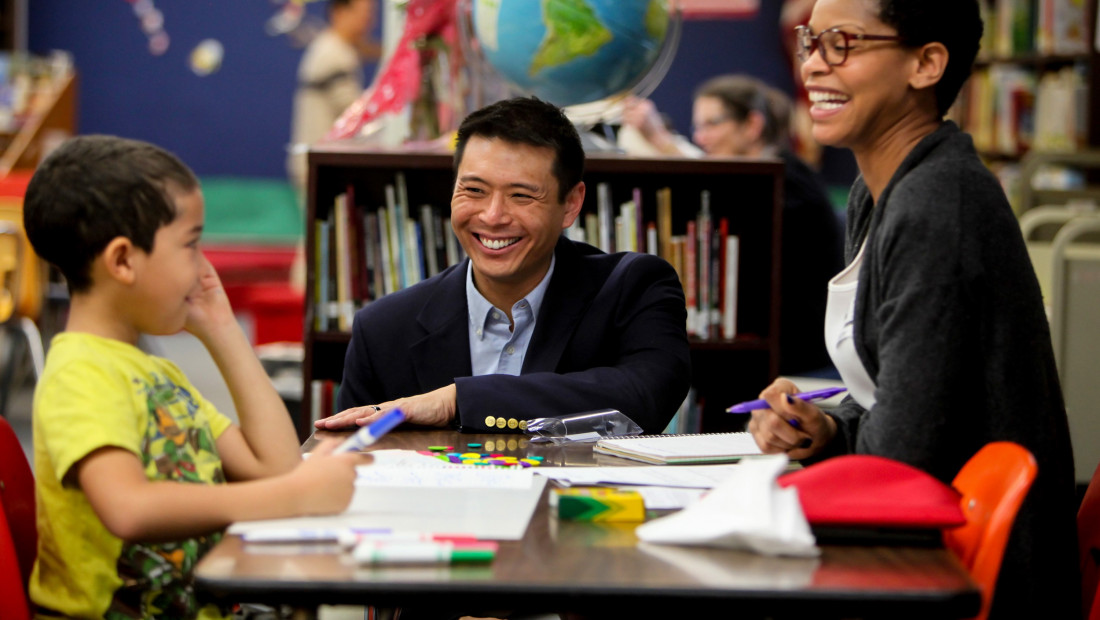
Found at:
(134, 508)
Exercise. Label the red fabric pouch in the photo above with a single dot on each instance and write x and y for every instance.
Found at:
(872, 491)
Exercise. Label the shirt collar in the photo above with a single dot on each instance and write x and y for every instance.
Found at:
(478, 307)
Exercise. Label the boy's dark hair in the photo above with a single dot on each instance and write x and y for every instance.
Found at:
(531, 121)
(957, 24)
(741, 95)
(93, 189)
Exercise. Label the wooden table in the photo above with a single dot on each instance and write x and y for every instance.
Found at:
(598, 569)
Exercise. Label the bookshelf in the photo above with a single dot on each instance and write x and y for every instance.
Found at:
(1034, 86)
(747, 192)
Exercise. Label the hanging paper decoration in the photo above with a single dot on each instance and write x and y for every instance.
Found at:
(152, 24)
(400, 81)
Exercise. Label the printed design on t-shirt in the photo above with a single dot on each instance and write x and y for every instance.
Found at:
(178, 445)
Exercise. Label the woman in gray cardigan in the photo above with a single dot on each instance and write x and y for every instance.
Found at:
(936, 324)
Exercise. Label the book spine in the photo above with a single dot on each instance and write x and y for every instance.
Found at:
(714, 317)
(603, 212)
(704, 233)
(664, 221)
(323, 237)
(454, 251)
(729, 314)
(427, 227)
(343, 264)
(651, 239)
(691, 266)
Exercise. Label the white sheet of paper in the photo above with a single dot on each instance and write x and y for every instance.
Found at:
(686, 476)
(416, 495)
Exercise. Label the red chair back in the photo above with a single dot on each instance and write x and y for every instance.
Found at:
(993, 484)
(1088, 536)
(18, 535)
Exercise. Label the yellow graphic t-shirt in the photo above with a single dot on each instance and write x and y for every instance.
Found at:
(97, 392)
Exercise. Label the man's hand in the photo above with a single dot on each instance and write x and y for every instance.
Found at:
(435, 408)
(790, 425)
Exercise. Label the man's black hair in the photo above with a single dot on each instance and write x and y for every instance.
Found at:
(93, 189)
(531, 121)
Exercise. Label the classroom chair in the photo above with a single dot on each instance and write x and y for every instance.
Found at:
(1075, 333)
(1039, 227)
(18, 534)
(1088, 537)
(993, 484)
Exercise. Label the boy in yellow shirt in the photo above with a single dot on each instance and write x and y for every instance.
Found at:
(136, 473)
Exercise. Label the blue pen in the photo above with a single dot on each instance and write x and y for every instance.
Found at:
(804, 396)
(370, 434)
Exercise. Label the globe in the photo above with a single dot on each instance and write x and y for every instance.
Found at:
(572, 52)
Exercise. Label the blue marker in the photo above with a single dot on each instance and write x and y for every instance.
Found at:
(804, 396)
(370, 434)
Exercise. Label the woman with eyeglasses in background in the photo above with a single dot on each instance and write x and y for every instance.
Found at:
(936, 324)
(740, 116)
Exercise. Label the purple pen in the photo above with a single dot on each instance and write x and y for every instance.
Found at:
(812, 395)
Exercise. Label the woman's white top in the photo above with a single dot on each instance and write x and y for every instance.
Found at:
(839, 313)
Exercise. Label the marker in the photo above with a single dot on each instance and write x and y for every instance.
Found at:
(810, 396)
(381, 552)
(295, 535)
(370, 434)
(384, 536)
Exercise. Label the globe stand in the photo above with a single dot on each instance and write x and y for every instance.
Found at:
(595, 143)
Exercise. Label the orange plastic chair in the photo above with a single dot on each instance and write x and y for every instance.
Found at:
(993, 484)
(1088, 535)
(18, 536)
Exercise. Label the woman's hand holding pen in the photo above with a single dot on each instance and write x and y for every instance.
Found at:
(798, 428)
(435, 408)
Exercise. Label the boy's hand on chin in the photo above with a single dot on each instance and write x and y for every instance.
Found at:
(208, 305)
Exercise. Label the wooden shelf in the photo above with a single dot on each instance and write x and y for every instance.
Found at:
(52, 121)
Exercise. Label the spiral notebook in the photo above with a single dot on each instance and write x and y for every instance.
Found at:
(673, 449)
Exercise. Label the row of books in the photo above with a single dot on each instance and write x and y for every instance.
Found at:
(1009, 109)
(706, 256)
(1023, 27)
(364, 253)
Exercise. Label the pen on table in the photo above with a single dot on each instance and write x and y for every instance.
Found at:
(748, 407)
(370, 434)
(382, 552)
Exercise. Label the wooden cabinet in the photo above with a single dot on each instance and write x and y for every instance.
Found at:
(748, 193)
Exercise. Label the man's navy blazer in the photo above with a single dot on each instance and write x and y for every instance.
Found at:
(611, 333)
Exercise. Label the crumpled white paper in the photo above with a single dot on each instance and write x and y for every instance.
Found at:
(748, 510)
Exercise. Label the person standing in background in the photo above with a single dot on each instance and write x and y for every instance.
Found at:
(740, 116)
(330, 78)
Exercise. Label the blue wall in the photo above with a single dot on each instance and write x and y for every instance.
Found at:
(237, 121)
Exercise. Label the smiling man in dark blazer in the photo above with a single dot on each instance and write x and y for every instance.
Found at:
(532, 324)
